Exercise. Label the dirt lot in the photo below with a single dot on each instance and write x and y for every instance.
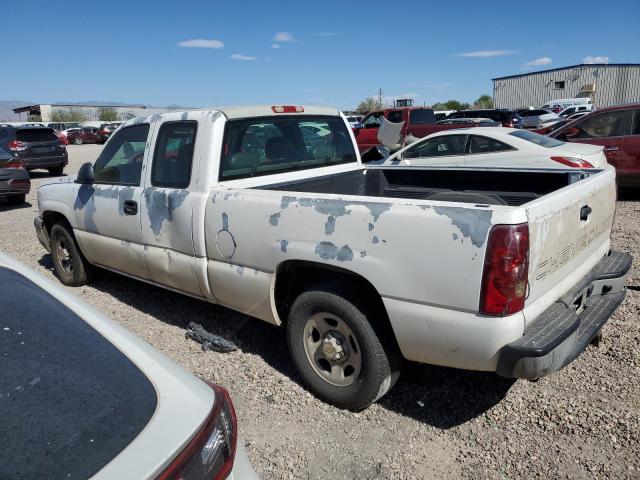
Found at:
(437, 423)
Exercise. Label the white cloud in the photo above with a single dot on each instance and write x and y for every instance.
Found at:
(283, 37)
(201, 43)
(328, 34)
(246, 58)
(538, 62)
(487, 53)
(591, 59)
(275, 45)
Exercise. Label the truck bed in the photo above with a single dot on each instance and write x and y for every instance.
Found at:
(492, 187)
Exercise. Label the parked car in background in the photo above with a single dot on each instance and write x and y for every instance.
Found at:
(105, 131)
(354, 120)
(498, 147)
(83, 135)
(534, 118)
(442, 114)
(36, 147)
(576, 115)
(576, 108)
(88, 398)
(418, 122)
(560, 104)
(14, 178)
(479, 122)
(617, 129)
(508, 118)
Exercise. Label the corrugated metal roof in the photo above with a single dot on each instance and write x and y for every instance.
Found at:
(580, 65)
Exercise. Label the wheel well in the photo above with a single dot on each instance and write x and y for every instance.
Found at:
(295, 276)
(51, 218)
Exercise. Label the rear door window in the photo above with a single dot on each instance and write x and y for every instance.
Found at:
(479, 144)
(255, 147)
(616, 123)
(28, 135)
(422, 116)
(173, 155)
(440, 146)
(120, 163)
(395, 116)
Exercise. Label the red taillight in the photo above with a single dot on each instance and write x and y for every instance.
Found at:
(287, 109)
(210, 453)
(506, 267)
(572, 162)
(14, 164)
(16, 146)
(508, 125)
(102, 132)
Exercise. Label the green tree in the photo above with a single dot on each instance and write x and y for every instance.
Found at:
(107, 114)
(367, 105)
(483, 101)
(70, 115)
(450, 105)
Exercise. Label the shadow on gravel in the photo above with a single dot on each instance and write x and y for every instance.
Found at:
(6, 206)
(629, 194)
(441, 397)
(445, 397)
(250, 335)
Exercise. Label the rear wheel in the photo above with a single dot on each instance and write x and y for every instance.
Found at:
(336, 349)
(69, 264)
(77, 141)
(16, 199)
(56, 171)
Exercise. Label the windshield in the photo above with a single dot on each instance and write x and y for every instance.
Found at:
(538, 139)
(265, 146)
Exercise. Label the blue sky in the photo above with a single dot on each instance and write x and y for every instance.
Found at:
(329, 52)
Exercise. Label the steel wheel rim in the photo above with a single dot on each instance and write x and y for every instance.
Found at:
(64, 256)
(327, 337)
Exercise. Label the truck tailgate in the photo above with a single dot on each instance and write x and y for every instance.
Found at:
(569, 233)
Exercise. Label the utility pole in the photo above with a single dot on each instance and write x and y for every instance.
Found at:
(380, 96)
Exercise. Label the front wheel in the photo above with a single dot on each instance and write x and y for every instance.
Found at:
(69, 264)
(77, 141)
(337, 351)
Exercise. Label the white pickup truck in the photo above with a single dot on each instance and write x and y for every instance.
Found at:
(270, 211)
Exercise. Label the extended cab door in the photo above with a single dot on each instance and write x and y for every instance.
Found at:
(168, 204)
(107, 212)
(421, 122)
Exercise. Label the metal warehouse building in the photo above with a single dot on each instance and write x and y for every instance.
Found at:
(606, 84)
(92, 112)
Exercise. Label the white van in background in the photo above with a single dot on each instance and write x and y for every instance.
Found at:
(575, 109)
(561, 103)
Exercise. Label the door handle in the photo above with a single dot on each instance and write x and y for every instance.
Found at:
(611, 149)
(130, 207)
(585, 212)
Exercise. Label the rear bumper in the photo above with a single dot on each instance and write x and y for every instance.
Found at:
(560, 334)
(41, 232)
(45, 162)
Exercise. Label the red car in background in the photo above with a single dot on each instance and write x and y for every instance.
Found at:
(83, 135)
(418, 122)
(617, 129)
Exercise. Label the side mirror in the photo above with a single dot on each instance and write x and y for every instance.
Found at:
(86, 175)
(377, 152)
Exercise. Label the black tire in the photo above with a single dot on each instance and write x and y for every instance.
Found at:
(72, 269)
(56, 171)
(16, 199)
(380, 358)
(77, 141)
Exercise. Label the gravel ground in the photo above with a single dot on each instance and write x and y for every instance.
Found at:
(437, 423)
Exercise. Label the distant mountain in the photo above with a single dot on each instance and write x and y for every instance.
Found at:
(7, 106)
(6, 109)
